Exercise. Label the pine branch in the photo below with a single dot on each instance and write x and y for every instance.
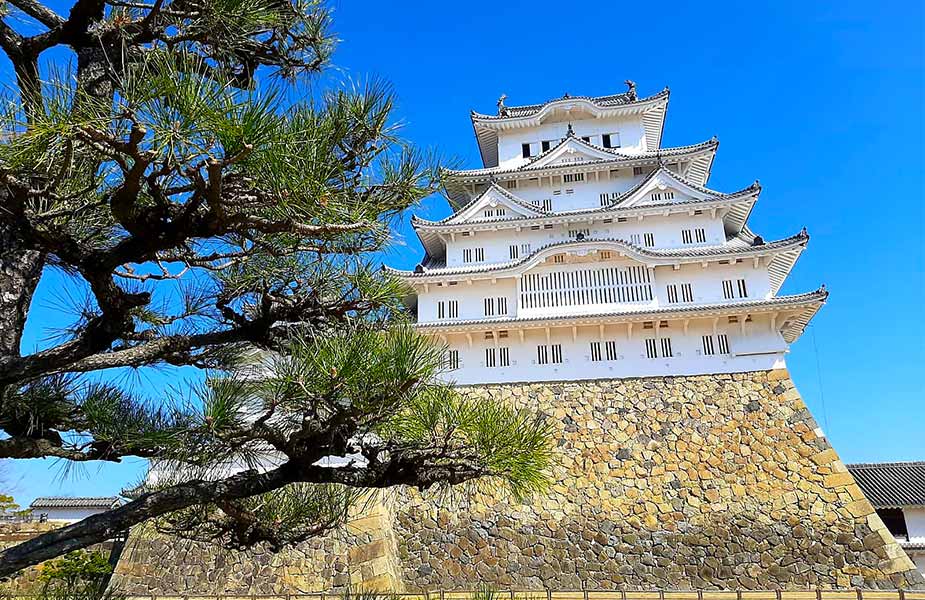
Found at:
(39, 12)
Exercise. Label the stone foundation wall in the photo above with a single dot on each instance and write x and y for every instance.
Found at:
(362, 556)
(706, 482)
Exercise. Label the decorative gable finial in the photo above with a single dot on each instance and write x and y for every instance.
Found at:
(570, 132)
(502, 109)
(631, 89)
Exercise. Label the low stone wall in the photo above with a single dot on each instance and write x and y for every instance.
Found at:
(362, 555)
(593, 595)
(703, 483)
(26, 581)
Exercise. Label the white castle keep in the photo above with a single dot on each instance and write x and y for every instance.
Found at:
(585, 250)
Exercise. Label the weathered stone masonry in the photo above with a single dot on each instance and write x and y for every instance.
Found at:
(704, 482)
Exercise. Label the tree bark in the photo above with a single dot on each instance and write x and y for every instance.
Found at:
(20, 270)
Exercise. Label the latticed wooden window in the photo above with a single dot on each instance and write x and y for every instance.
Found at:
(602, 285)
(595, 351)
(451, 360)
(708, 348)
(666, 348)
(504, 357)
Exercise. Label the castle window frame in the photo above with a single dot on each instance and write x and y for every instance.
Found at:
(666, 347)
(451, 360)
(448, 309)
(672, 292)
(735, 288)
(595, 351)
(609, 351)
(706, 342)
(545, 204)
(611, 140)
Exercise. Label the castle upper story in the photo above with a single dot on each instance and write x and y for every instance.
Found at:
(622, 122)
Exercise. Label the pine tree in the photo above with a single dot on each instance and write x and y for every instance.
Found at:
(216, 223)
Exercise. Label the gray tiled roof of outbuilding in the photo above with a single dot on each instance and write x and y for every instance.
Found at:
(71, 502)
(891, 484)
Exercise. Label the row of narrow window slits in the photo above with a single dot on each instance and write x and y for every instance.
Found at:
(546, 292)
(645, 239)
(586, 286)
(599, 352)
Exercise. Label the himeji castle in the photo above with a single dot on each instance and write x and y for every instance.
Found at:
(583, 249)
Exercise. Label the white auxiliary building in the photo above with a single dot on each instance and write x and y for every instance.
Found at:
(584, 250)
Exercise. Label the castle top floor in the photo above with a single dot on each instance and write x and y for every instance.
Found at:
(624, 121)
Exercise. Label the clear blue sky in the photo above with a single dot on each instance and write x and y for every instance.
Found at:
(823, 102)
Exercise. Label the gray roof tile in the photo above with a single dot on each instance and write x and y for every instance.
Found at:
(891, 485)
(70, 502)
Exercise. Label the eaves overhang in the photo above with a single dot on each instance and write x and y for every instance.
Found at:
(794, 313)
(459, 185)
(788, 248)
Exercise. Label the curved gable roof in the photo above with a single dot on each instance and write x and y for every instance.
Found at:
(700, 156)
(626, 200)
(506, 197)
(486, 127)
(635, 196)
(513, 113)
(570, 145)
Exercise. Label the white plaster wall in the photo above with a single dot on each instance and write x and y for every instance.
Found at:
(915, 523)
(68, 515)
(706, 285)
(470, 297)
(688, 356)
(632, 136)
(585, 194)
(666, 231)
